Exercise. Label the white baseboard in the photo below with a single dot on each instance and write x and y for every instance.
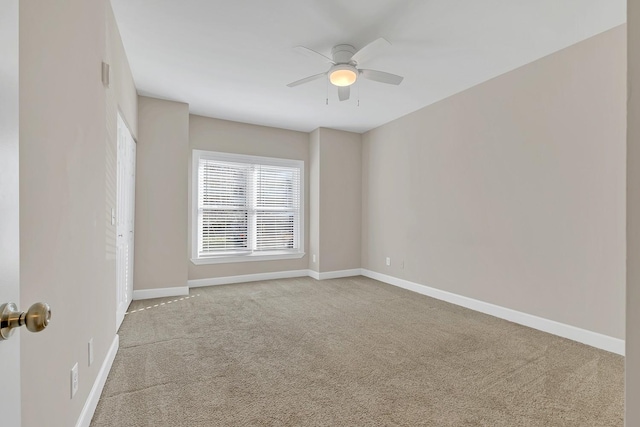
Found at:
(160, 293)
(214, 281)
(594, 339)
(94, 395)
(336, 274)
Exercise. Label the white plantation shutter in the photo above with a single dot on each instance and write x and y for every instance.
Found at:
(247, 205)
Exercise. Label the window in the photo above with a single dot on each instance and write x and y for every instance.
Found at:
(246, 208)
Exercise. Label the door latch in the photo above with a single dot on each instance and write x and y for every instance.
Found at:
(36, 318)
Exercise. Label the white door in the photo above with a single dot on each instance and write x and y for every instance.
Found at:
(125, 201)
(9, 221)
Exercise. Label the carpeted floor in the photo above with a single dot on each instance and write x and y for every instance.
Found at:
(347, 352)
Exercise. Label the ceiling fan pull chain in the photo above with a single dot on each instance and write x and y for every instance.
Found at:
(327, 98)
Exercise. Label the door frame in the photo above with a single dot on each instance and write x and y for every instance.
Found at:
(10, 392)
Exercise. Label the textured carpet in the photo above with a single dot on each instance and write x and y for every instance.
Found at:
(347, 352)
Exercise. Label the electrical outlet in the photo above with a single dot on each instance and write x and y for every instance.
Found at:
(402, 265)
(90, 350)
(388, 261)
(314, 257)
(74, 380)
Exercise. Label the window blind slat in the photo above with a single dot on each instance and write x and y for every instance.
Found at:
(223, 230)
(222, 183)
(275, 230)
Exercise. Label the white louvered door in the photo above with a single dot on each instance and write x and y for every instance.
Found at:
(126, 173)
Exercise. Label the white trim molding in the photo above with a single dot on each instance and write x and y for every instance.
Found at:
(594, 339)
(91, 403)
(215, 281)
(160, 293)
(336, 274)
(270, 256)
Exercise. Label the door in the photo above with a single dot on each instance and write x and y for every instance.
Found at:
(9, 221)
(125, 206)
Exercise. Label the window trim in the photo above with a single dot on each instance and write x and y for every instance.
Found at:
(252, 256)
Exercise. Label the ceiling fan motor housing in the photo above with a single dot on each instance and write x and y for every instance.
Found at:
(342, 53)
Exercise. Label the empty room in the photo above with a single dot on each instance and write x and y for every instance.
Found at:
(320, 212)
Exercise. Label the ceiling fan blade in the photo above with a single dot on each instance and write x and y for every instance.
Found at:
(381, 76)
(307, 80)
(312, 53)
(343, 93)
(366, 52)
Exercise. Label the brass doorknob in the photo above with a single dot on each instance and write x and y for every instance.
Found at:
(36, 318)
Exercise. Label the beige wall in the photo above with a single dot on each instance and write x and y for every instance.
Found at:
(161, 194)
(512, 192)
(336, 194)
(67, 181)
(332, 186)
(121, 95)
(632, 417)
(233, 137)
(340, 200)
(314, 200)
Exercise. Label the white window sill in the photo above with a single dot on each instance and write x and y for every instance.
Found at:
(271, 256)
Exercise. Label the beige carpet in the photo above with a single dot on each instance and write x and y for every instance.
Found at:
(347, 352)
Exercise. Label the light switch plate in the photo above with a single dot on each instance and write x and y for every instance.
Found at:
(90, 351)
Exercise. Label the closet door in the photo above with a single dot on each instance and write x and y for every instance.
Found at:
(126, 172)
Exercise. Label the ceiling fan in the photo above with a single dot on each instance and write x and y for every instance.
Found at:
(344, 70)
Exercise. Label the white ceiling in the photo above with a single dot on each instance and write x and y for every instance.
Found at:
(233, 59)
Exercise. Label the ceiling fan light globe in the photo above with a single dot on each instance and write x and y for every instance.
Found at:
(343, 77)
